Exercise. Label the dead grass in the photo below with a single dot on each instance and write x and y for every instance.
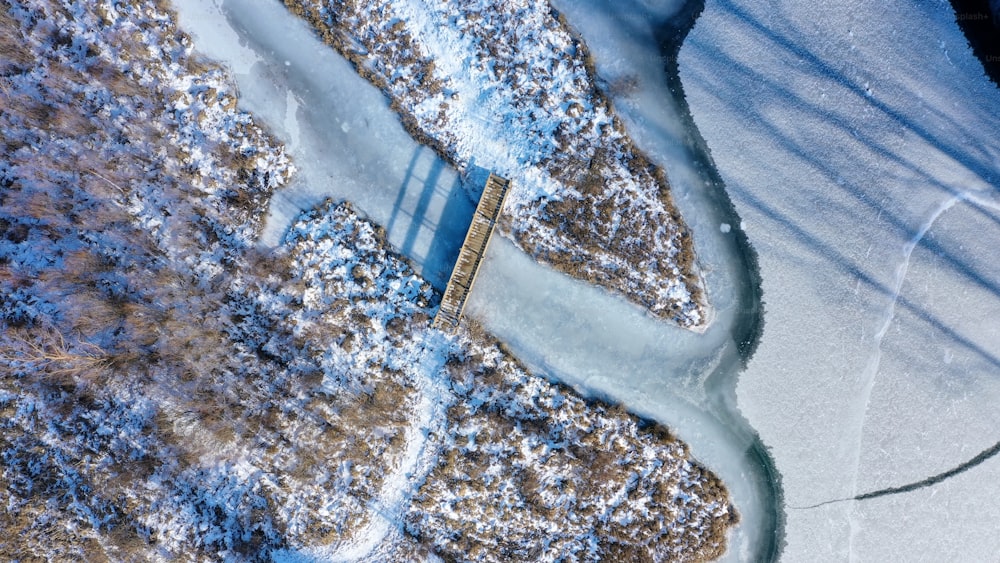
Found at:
(46, 355)
(161, 333)
(496, 484)
(17, 56)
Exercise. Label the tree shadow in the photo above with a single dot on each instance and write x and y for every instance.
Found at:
(871, 140)
(952, 163)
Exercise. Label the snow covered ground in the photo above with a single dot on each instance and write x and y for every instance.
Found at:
(564, 328)
(859, 143)
(325, 93)
(593, 340)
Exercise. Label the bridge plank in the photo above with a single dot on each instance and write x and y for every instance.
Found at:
(470, 257)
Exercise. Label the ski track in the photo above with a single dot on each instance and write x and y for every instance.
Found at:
(871, 369)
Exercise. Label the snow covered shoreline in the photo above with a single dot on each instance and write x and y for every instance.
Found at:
(635, 43)
(663, 384)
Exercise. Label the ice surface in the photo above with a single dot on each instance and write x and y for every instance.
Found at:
(859, 144)
(606, 346)
(340, 132)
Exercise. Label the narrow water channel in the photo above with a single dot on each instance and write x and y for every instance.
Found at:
(348, 144)
(344, 140)
(605, 346)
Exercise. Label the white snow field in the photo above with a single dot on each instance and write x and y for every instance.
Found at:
(859, 142)
(347, 143)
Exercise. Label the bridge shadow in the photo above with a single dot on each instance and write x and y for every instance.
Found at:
(430, 216)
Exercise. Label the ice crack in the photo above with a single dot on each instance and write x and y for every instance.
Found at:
(932, 480)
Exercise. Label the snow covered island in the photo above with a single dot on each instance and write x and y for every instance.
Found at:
(505, 86)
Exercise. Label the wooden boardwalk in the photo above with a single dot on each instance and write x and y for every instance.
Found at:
(472, 252)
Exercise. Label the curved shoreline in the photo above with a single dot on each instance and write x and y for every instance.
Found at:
(643, 365)
(877, 303)
(390, 203)
(705, 379)
(748, 329)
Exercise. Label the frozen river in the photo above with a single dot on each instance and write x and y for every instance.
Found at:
(348, 144)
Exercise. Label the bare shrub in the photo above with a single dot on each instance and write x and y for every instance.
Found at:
(45, 353)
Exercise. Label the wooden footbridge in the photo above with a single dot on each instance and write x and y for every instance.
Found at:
(473, 249)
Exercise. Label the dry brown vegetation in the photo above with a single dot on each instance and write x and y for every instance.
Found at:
(99, 312)
(168, 390)
(534, 471)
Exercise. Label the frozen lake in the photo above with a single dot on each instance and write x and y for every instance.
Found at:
(859, 142)
(348, 144)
